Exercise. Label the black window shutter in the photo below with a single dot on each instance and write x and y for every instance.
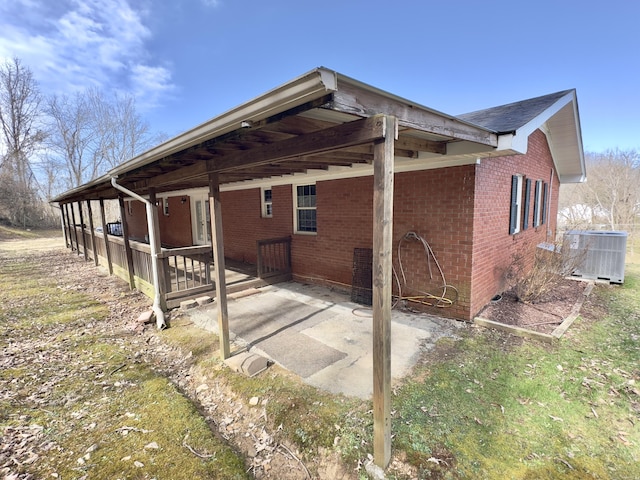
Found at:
(536, 205)
(514, 205)
(545, 193)
(527, 201)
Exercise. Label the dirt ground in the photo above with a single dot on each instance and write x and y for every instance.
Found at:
(267, 454)
(542, 316)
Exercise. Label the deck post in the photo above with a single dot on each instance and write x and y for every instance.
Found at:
(160, 262)
(84, 243)
(93, 235)
(64, 226)
(105, 234)
(68, 217)
(217, 244)
(75, 232)
(127, 245)
(383, 153)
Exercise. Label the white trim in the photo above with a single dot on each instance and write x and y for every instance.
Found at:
(294, 195)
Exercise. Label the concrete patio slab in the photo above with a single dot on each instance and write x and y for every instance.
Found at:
(323, 337)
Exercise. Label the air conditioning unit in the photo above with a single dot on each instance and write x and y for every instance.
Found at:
(604, 254)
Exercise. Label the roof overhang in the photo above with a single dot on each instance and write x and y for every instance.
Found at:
(560, 122)
(309, 123)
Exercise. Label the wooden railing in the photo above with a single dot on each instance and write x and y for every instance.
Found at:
(187, 270)
(274, 257)
(183, 272)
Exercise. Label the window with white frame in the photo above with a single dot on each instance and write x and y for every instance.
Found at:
(266, 201)
(537, 205)
(516, 204)
(165, 206)
(527, 202)
(305, 209)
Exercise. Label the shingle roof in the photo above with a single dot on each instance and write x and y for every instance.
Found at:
(510, 117)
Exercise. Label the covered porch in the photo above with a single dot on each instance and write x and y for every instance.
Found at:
(321, 121)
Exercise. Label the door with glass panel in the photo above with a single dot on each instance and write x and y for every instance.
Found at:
(200, 220)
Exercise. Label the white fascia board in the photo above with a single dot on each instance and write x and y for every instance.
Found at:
(305, 88)
(520, 140)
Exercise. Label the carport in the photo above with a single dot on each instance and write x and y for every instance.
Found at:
(320, 120)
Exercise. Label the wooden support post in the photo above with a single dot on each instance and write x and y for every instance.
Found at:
(105, 234)
(66, 211)
(64, 226)
(383, 153)
(218, 262)
(75, 232)
(84, 246)
(160, 263)
(127, 245)
(93, 235)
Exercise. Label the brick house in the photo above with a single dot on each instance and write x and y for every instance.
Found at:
(473, 189)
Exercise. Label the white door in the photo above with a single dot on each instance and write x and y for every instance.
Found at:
(200, 220)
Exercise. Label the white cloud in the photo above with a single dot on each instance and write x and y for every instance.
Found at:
(72, 44)
(211, 3)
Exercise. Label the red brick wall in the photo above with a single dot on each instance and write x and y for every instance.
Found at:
(243, 224)
(175, 228)
(436, 204)
(136, 217)
(462, 212)
(493, 247)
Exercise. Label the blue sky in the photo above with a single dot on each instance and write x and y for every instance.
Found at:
(187, 61)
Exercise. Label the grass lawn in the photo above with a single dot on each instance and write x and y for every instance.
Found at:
(75, 404)
(498, 408)
(487, 406)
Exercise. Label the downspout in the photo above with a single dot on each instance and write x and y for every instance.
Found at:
(160, 323)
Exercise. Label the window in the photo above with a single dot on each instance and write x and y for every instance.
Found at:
(537, 206)
(527, 201)
(516, 201)
(267, 204)
(165, 206)
(545, 202)
(305, 209)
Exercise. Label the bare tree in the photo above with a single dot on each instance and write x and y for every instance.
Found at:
(90, 134)
(611, 195)
(122, 130)
(19, 116)
(72, 136)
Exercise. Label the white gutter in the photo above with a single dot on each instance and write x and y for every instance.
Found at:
(160, 322)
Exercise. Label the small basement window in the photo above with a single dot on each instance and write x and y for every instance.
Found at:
(305, 209)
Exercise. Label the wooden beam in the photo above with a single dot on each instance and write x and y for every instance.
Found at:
(217, 244)
(93, 235)
(364, 102)
(420, 145)
(347, 134)
(105, 234)
(382, 279)
(127, 244)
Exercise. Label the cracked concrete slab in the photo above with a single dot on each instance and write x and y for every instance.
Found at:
(319, 334)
